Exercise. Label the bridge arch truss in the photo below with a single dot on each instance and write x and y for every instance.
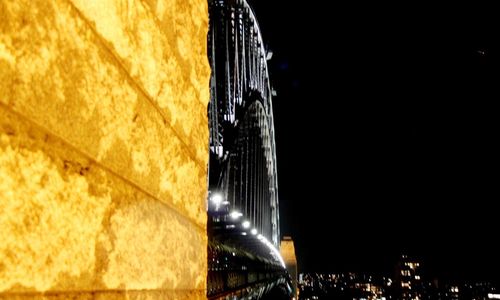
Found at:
(242, 139)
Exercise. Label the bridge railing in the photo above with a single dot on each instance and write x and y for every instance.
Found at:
(240, 265)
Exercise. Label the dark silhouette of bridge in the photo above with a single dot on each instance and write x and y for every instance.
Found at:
(243, 214)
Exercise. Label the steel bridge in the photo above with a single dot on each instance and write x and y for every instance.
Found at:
(244, 259)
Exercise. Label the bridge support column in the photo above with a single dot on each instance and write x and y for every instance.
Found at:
(288, 254)
(103, 149)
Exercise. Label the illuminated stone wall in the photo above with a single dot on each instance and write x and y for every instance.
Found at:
(287, 250)
(103, 149)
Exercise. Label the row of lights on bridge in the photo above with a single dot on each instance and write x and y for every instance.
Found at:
(218, 201)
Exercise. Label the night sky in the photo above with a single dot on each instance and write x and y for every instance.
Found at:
(387, 130)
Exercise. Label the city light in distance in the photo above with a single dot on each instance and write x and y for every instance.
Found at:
(253, 231)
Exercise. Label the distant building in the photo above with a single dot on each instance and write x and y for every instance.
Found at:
(344, 286)
(469, 290)
(408, 279)
(288, 254)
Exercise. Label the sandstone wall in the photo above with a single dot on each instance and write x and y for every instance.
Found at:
(287, 250)
(103, 148)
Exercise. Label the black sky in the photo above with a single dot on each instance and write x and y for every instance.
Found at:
(387, 127)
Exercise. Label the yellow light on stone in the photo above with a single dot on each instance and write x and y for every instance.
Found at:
(103, 149)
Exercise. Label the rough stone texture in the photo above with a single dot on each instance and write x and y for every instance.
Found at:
(103, 149)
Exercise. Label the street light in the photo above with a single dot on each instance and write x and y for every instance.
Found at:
(235, 215)
(246, 224)
(216, 199)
